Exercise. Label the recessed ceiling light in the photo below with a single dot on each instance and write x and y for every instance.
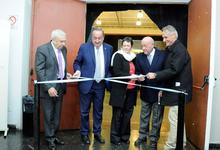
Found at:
(98, 22)
(138, 23)
(140, 14)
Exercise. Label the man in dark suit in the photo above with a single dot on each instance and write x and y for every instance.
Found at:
(177, 74)
(151, 60)
(92, 61)
(50, 64)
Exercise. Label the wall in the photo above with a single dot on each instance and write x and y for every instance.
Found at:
(18, 56)
(139, 1)
(215, 120)
(4, 59)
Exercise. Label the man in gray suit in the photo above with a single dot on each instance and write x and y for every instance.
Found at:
(50, 64)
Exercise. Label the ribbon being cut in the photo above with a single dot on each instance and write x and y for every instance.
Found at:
(111, 79)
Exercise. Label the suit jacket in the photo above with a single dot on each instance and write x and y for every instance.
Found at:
(85, 63)
(177, 70)
(143, 67)
(118, 92)
(46, 66)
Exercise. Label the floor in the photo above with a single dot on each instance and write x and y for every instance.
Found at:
(15, 139)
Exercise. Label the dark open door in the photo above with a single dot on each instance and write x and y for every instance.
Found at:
(68, 15)
(199, 27)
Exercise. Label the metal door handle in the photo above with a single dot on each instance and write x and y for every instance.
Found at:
(205, 82)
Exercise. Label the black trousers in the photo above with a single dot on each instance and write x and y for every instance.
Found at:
(121, 119)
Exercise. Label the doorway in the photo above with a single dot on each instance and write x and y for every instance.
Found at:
(95, 17)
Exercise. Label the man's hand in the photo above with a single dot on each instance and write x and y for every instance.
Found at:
(134, 77)
(77, 74)
(141, 78)
(68, 75)
(52, 92)
(151, 75)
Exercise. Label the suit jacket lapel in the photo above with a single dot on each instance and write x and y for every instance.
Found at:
(91, 52)
(145, 59)
(105, 54)
(64, 56)
(52, 54)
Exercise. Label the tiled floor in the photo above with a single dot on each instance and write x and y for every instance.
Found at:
(16, 141)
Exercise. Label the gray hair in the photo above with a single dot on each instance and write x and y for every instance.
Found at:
(97, 29)
(170, 30)
(57, 33)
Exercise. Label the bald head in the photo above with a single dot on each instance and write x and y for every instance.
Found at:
(147, 44)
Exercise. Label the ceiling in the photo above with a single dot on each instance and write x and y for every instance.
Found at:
(140, 1)
(125, 23)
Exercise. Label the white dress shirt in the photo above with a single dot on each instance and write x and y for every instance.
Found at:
(101, 60)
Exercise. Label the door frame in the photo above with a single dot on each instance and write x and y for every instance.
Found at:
(139, 1)
(212, 82)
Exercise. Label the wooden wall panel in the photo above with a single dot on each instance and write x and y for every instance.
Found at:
(68, 15)
(199, 27)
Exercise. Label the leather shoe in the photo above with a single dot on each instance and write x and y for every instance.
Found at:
(85, 139)
(99, 138)
(51, 145)
(58, 141)
(126, 141)
(153, 145)
(116, 143)
(139, 141)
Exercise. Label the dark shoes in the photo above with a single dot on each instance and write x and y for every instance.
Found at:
(51, 145)
(153, 145)
(58, 141)
(126, 141)
(116, 143)
(139, 141)
(119, 142)
(85, 139)
(99, 138)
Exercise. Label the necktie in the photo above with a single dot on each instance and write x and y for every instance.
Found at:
(149, 57)
(60, 64)
(98, 66)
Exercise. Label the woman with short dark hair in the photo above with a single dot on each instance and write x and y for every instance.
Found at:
(123, 96)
